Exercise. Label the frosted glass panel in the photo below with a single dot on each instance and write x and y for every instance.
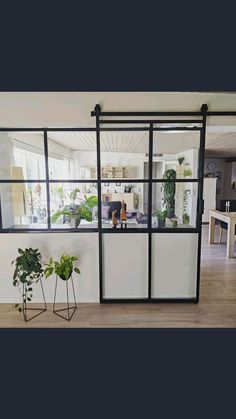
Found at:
(125, 265)
(174, 265)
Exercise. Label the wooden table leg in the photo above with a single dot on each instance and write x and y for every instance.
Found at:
(230, 240)
(211, 238)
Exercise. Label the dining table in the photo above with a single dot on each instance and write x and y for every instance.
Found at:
(230, 219)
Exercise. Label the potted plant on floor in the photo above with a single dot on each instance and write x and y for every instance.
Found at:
(161, 218)
(28, 271)
(63, 269)
(169, 192)
(74, 213)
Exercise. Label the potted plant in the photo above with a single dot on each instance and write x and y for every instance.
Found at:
(181, 160)
(161, 217)
(63, 269)
(174, 222)
(188, 173)
(186, 218)
(169, 192)
(73, 213)
(28, 271)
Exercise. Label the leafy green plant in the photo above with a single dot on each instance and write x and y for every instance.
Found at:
(186, 218)
(188, 172)
(162, 215)
(28, 271)
(76, 212)
(169, 189)
(64, 268)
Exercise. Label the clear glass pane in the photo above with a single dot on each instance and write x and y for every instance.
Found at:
(127, 202)
(23, 205)
(72, 155)
(22, 156)
(124, 154)
(174, 204)
(175, 154)
(73, 205)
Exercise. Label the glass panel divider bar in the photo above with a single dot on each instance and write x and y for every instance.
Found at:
(150, 211)
(100, 244)
(47, 179)
(200, 208)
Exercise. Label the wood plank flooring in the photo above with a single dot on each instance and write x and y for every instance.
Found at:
(217, 306)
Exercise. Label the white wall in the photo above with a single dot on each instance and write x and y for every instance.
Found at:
(83, 245)
(220, 166)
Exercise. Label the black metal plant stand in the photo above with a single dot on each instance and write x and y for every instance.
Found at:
(27, 309)
(69, 309)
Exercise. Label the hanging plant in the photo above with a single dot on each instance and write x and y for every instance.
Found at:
(181, 160)
(28, 271)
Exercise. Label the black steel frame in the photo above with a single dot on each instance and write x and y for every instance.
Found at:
(150, 230)
(26, 308)
(69, 307)
(149, 125)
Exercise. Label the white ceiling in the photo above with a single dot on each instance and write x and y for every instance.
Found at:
(72, 109)
(127, 142)
(217, 144)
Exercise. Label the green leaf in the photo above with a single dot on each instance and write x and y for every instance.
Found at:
(77, 270)
(20, 309)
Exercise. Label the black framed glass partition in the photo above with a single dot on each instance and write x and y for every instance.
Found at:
(77, 180)
(170, 184)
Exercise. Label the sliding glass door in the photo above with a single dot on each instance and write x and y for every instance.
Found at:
(151, 176)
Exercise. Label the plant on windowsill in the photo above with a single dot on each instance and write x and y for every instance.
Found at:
(168, 189)
(28, 271)
(161, 217)
(186, 218)
(188, 173)
(73, 213)
(174, 222)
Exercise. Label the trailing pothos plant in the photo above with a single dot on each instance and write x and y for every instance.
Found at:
(28, 271)
(64, 268)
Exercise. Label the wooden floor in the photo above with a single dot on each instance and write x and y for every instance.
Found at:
(217, 306)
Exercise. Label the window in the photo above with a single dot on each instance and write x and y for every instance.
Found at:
(56, 187)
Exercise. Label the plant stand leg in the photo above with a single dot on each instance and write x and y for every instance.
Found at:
(26, 308)
(69, 309)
